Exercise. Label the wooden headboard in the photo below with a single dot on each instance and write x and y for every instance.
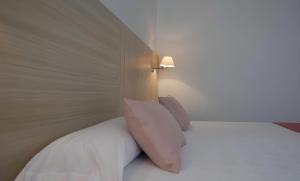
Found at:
(64, 65)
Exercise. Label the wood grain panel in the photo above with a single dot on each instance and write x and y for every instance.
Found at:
(138, 81)
(64, 65)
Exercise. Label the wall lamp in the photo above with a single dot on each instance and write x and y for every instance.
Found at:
(167, 62)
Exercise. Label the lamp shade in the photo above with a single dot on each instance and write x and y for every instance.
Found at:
(167, 61)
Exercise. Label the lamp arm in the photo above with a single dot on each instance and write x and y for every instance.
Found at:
(156, 68)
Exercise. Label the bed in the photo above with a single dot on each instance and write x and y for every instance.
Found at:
(215, 151)
(66, 65)
(229, 151)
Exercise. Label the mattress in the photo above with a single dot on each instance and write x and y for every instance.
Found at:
(229, 151)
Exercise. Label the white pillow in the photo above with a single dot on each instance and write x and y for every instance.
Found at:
(97, 153)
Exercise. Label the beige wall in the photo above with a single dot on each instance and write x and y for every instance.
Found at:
(236, 60)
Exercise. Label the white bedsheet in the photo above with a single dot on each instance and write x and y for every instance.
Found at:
(222, 151)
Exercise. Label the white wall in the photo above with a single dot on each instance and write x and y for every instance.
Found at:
(138, 15)
(236, 60)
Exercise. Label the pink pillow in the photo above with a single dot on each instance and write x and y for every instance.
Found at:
(156, 131)
(176, 110)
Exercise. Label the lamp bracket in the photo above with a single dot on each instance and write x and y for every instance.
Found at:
(156, 68)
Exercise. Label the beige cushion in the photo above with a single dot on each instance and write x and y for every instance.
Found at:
(156, 131)
(176, 110)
